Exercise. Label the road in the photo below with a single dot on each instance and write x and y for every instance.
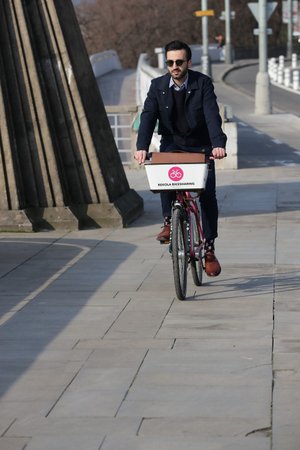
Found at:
(243, 79)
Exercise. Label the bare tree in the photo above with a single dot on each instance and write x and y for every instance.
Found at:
(132, 27)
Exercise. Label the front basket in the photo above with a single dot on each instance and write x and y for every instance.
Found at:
(177, 171)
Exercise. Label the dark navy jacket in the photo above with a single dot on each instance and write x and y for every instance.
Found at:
(201, 109)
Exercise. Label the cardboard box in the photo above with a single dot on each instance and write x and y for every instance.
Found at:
(179, 157)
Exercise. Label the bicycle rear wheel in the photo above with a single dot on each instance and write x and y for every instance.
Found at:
(196, 261)
(179, 253)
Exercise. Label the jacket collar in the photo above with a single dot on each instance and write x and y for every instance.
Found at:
(193, 80)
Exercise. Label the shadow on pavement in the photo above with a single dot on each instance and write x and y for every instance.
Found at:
(252, 286)
(44, 286)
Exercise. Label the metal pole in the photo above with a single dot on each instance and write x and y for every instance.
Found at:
(205, 56)
(289, 52)
(204, 29)
(228, 50)
(263, 104)
(263, 45)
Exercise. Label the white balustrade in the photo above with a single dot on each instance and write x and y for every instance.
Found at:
(272, 68)
(281, 61)
(280, 75)
(294, 61)
(275, 74)
(296, 80)
(287, 77)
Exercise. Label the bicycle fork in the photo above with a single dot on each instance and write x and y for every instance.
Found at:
(195, 237)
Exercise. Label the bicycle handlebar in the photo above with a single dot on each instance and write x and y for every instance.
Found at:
(208, 157)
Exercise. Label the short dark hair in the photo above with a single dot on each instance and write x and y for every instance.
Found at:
(179, 45)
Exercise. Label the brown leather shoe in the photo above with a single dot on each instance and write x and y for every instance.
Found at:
(164, 235)
(212, 265)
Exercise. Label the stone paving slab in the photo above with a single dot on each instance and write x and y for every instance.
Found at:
(192, 443)
(13, 443)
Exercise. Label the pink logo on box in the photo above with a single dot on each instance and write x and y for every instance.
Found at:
(175, 173)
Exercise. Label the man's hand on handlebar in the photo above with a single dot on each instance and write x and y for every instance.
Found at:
(218, 153)
(140, 156)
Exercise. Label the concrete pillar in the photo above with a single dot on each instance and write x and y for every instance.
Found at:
(59, 165)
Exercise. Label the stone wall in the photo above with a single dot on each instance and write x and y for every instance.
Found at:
(59, 165)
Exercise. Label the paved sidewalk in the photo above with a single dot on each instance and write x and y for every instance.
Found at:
(96, 352)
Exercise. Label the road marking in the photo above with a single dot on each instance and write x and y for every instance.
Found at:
(285, 163)
(46, 284)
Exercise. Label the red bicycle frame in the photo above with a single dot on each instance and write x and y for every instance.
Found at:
(187, 202)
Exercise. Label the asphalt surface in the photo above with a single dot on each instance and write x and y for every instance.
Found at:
(244, 78)
(96, 353)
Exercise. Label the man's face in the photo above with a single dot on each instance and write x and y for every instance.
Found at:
(178, 72)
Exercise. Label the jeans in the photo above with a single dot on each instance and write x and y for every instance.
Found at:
(208, 199)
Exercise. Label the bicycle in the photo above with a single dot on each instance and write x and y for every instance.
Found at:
(186, 238)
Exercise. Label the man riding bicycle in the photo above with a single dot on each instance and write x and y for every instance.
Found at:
(185, 105)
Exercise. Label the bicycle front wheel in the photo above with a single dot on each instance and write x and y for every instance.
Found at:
(197, 258)
(179, 253)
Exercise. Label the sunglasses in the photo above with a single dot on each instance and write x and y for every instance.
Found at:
(178, 62)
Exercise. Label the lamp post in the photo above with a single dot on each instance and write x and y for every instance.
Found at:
(228, 51)
(263, 103)
(289, 5)
(205, 56)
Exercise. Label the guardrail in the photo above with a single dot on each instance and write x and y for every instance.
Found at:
(285, 76)
(122, 119)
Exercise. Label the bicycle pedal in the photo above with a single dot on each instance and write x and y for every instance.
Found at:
(164, 242)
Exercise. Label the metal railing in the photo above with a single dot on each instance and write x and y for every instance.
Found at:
(121, 119)
(285, 74)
